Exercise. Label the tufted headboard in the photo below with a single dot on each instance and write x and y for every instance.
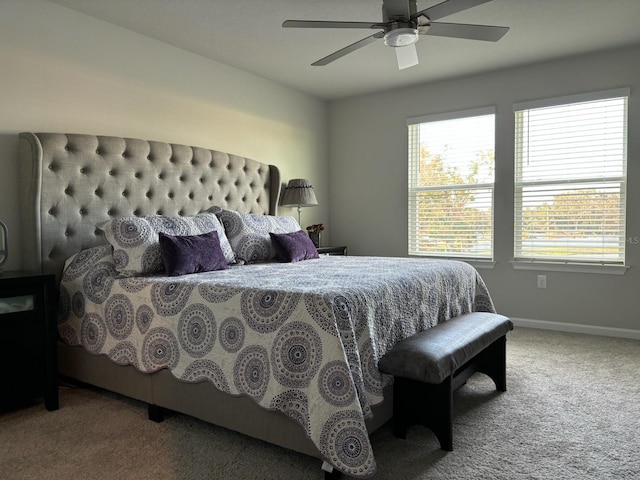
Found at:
(71, 183)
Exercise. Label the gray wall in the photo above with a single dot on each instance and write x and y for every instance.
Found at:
(368, 184)
(62, 71)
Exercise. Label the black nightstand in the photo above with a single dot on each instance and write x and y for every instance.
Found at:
(332, 250)
(28, 358)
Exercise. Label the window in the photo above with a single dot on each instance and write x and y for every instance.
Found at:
(570, 179)
(451, 175)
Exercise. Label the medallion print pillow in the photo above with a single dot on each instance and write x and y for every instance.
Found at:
(248, 233)
(136, 248)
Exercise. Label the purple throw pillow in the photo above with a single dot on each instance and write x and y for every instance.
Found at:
(191, 253)
(294, 247)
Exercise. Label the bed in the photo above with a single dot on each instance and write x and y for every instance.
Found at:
(285, 352)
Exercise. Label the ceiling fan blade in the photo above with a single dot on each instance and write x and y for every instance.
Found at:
(448, 7)
(329, 24)
(397, 8)
(488, 33)
(344, 51)
(407, 56)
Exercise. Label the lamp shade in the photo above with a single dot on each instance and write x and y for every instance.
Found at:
(299, 193)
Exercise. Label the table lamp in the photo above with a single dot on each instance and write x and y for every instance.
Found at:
(299, 193)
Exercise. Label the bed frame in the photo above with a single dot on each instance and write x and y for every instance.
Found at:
(70, 183)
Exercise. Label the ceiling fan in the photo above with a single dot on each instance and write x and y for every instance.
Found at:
(401, 27)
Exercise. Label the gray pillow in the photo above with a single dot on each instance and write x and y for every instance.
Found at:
(248, 233)
(136, 248)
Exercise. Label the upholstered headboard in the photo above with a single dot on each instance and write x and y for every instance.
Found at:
(71, 183)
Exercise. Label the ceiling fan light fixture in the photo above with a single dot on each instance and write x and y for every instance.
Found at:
(401, 37)
(402, 25)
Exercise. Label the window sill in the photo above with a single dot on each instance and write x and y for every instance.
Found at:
(484, 264)
(481, 264)
(571, 267)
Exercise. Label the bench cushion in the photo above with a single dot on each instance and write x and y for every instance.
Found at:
(434, 354)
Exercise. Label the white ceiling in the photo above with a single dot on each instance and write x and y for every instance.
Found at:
(247, 34)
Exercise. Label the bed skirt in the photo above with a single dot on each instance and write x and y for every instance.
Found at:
(200, 400)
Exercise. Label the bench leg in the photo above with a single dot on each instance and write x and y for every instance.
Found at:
(494, 363)
(440, 413)
(402, 406)
(422, 403)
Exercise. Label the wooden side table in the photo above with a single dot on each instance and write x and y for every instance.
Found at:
(332, 250)
(28, 330)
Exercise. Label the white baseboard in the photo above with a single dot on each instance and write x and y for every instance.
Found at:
(577, 328)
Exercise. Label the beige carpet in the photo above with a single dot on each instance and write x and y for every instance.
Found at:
(571, 411)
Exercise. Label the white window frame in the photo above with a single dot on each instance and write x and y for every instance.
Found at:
(479, 260)
(568, 263)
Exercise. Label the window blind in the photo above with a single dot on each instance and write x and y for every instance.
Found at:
(451, 176)
(570, 179)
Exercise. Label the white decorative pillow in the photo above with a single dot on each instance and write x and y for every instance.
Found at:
(136, 248)
(248, 233)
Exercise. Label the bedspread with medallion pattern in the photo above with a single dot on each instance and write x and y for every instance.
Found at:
(302, 338)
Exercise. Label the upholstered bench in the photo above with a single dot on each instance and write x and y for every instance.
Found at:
(428, 367)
